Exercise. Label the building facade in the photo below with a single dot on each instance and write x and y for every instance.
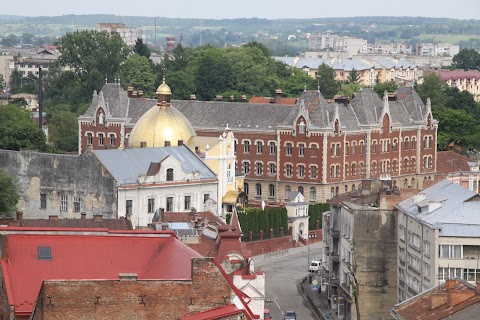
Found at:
(359, 261)
(318, 148)
(438, 238)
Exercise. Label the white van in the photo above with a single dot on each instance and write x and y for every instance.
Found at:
(314, 266)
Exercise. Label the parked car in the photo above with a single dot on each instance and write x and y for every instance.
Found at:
(266, 314)
(290, 315)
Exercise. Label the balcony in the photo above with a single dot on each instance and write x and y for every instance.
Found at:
(334, 257)
(335, 233)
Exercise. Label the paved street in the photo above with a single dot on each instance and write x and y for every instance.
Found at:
(284, 269)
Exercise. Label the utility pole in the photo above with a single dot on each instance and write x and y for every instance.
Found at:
(40, 98)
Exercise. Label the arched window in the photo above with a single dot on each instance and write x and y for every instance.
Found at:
(337, 190)
(100, 139)
(345, 189)
(301, 127)
(245, 188)
(259, 147)
(412, 184)
(313, 193)
(374, 146)
(394, 166)
(412, 163)
(89, 138)
(301, 149)
(229, 173)
(169, 174)
(300, 189)
(353, 187)
(288, 191)
(406, 141)
(271, 190)
(354, 147)
(405, 164)
(112, 139)
(288, 149)
(353, 169)
(405, 183)
(258, 190)
(332, 192)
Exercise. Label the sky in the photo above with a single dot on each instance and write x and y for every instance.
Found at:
(229, 9)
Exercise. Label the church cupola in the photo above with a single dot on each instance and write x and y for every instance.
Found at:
(163, 94)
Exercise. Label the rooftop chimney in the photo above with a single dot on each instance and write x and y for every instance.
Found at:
(193, 97)
(232, 98)
(219, 98)
(244, 98)
(83, 215)
(97, 217)
(53, 218)
(19, 215)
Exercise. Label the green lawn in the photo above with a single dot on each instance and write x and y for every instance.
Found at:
(447, 38)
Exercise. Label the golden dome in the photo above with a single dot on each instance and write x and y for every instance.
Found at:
(164, 88)
(158, 125)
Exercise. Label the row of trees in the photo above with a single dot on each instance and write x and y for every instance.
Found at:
(255, 219)
(315, 213)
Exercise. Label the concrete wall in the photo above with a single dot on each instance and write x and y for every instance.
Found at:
(56, 175)
(376, 255)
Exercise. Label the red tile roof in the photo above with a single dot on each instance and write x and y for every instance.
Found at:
(458, 74)
(97, 255)
(449, 161)
(111, 224)
(447, 301)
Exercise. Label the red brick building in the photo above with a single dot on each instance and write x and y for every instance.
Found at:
(100, 274)
(319, 148)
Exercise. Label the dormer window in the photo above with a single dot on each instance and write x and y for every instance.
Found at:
(169, 174)
(301, 127)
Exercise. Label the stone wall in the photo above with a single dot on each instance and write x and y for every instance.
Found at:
(57, 175)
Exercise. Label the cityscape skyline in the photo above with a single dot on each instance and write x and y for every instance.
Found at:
(216, 9)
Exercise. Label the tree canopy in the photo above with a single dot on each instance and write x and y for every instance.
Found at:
(328, 85)
(141, 48)
(467, 59)
(9, 194)
(18, 130)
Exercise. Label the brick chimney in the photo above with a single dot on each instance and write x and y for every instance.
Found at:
(19, 216)
(193, 97)
(83, 215)
(244, 98)
(450, 283)
(97, 217)
(129, 91)
(52, 218)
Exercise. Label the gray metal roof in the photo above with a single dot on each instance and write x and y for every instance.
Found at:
(350, 64)
(454, 209)
(289, 61)
(364, 109)
(125, 165)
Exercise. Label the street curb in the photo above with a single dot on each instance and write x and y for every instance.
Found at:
(307, 299)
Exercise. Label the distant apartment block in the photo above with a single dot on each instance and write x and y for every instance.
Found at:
(438, 238)
(437, 49)
(30, 64)
(370, 71)
(6, 66)
(128, 34)
(389, 48)
(324, 41)
(461, 79)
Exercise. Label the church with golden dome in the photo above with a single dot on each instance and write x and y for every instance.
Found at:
(171, 180)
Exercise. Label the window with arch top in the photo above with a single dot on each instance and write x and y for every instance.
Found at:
(170, 174)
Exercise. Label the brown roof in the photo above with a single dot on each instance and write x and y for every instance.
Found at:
(458, 74)
(447, 300)
(449, 161)
(276, 100)
(54, 222)
(189, 216)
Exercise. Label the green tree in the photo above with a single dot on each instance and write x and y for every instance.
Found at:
(457, 126)
(18, 130)
(433, 87)
(137, 71)
(467, 59)
(63, 130)
(2, 82)
(9, 194)
(27, 38)
(328, 85)
(92, 55)
(141, 48)
(10, 40)
(349, 89)
(353, 76)
(15, 81)
(213, 77)
(381, 87)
